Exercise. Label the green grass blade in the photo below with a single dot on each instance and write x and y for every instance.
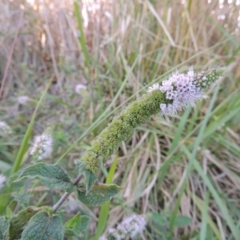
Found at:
(20, 156)
(27, 135)
(81, 38)
(203, 230)
(164, 168)
(217, 198)
(190, 163)
(201, 206)
(104, 210)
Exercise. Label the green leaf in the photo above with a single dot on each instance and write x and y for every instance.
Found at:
(9, 212)
(77, 224)
(51, 175)
(23, 198)
(90, 178)
(99, 194)
(17, 223)
(104, 211)
(45, 227)
(4, 228)
(182, 221)
(159, 219)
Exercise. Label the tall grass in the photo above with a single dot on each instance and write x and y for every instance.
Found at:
(186, 165)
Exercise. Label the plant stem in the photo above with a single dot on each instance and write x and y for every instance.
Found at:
(65, 195)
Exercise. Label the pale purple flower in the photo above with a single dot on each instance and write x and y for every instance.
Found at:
(181, 90)
(42, 146)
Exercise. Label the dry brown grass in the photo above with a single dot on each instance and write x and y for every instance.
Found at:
(140, 41)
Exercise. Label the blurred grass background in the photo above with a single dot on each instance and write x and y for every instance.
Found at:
(187, 164)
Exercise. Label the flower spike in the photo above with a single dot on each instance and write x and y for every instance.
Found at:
(177, 92)
(182, 90)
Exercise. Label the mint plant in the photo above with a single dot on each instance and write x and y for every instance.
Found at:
(167, 97)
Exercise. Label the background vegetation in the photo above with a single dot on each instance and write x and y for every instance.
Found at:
(185, 165)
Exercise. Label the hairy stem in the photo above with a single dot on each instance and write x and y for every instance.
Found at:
(66, 194)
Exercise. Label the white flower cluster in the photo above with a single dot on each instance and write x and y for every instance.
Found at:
(72, 205)
(79, 87)
(4, 129)
(42, 146)
(181, 90)
(23, 100)
(2, 181)
(129, 227)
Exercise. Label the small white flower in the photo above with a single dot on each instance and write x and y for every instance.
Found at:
(154, 87)
(79, 87)
(133, 225)
(42, 146)
(129, 227)
(71, 206)
(77, 34)
(115, 234)
(103, 238)
(191, 72)
(2, 181)
(5, 129)
(23, 100)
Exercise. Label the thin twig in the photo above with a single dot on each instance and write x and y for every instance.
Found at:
(10, 56)
(65, 195)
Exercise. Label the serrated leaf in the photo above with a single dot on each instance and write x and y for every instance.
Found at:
(44, 227)
(99, 194)
(51, 175)
(90, 178)
(23, 198)
(17, 223)
(77, 224)
(4, 228)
